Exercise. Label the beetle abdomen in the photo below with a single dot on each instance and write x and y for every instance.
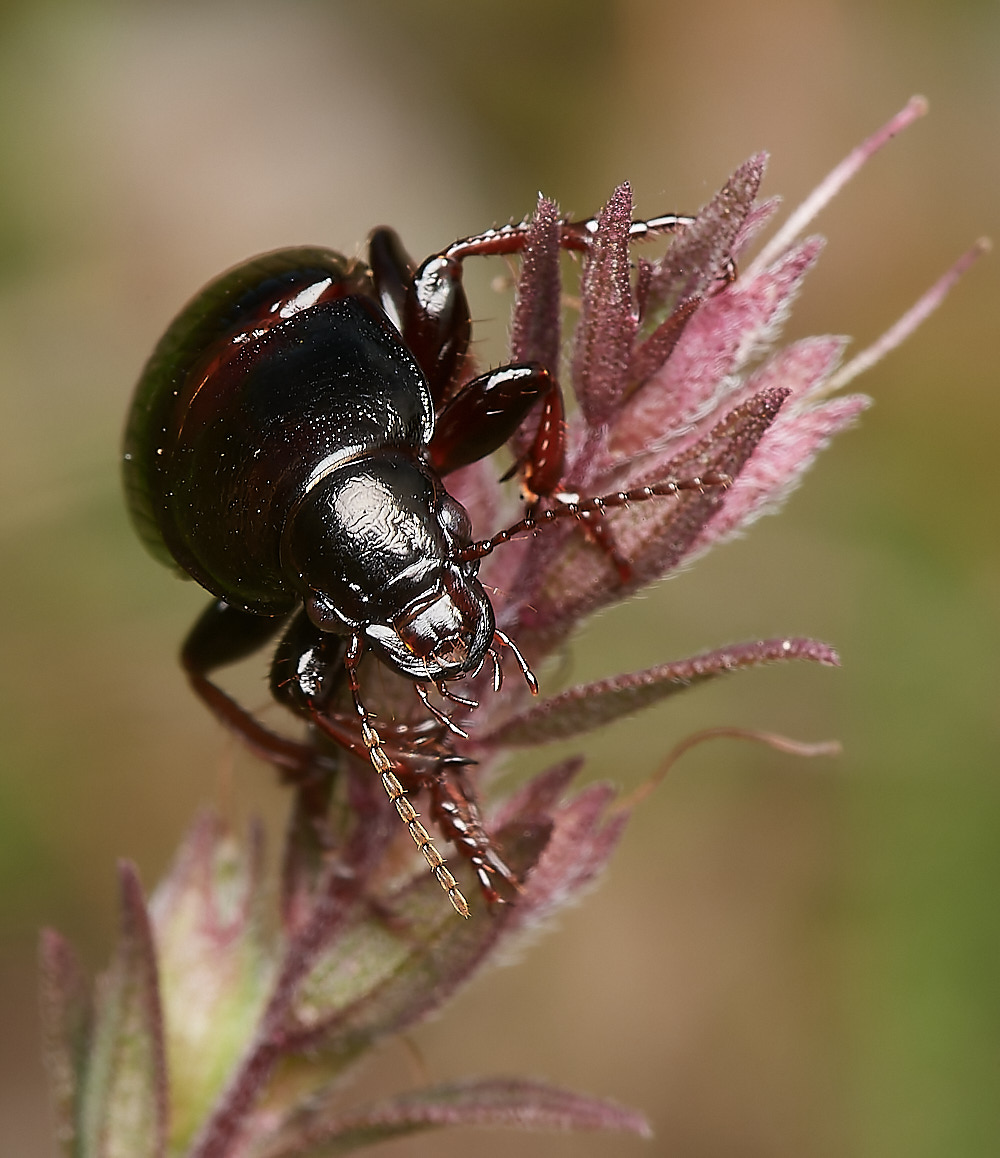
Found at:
(263, 384)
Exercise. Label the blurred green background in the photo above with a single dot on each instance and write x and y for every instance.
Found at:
(788, 958)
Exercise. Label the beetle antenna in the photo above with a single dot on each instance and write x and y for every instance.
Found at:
(583, 509)
(394, 790)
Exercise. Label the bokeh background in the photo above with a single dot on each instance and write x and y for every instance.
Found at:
(789, 957)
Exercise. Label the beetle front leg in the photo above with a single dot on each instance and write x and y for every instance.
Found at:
(487, 411)
(430, 311)
(456, 810)
(428, 304)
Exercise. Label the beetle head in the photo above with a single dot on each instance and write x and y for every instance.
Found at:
(373, 551)
(443, 635)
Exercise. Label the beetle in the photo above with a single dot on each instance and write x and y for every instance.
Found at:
(286, 448)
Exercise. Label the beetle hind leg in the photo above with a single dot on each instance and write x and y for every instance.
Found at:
(224, 635)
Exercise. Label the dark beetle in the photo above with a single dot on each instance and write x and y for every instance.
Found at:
(286, 448)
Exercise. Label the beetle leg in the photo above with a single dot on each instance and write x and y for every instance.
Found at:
(430, 308)
(223, 635)
(431, 312)
(487, 411)
(307, 665)
(454, 808)
(542, 466)
(573, 235)
(442, 687)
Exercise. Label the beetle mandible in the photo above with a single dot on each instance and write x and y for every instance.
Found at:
(286, 448)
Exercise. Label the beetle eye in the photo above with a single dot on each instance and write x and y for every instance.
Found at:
(454, 518)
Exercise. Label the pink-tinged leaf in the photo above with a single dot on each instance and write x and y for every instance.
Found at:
(337, 902)
(583, 838)
(225, 1131)
(541, 794)
(590, 706)
(214, 969)
(729, 449)
(538, 309)
(652, 354)
(801, 368)
(755, 221)
(537, 319)
(383, 976)
(697, 257)
(124, 1104)
(915, 316)
(66, 1025)
(305, 855)
(511, 1103)
(640, 287)
(570, 576)
(834, 181)
(783, 457)
(604, 335)
(722, 336)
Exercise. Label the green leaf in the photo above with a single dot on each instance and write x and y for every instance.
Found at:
(66, 1024)
(491, 1102)
(124, 1102)
(215, 972)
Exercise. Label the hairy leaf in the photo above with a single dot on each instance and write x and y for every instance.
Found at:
(590, 706)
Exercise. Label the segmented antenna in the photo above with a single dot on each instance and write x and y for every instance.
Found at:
(395, 791)
(410, 817)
